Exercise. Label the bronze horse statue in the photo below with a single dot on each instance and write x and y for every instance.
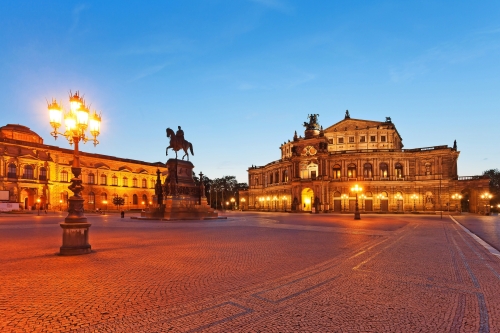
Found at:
(178, 143)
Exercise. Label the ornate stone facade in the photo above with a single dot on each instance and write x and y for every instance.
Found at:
(317, 172)
(31, 170)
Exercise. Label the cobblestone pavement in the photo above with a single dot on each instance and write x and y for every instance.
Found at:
(486, 227)
(249, 273)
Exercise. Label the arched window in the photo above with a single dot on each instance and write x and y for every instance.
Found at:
(114, 181)
(285, 176)
(144, 183)
(145, 199)
(104, 196)
(125, 181)
(12, 172)
(125, 198)
(398, 170)
(28, 172)
(134, 182)
(91, 198)
(64, 176)
(271, 178)
(337, 171)
(104, 179)
(91, 178)
(384, 170)
(256, 181)
(134, 199)
(43, 174)
(367, 170)
(277, 177)
(351, 171)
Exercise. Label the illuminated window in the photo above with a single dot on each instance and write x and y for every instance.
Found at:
(336, 172)
(351, 171)
(91, 198)
(125, 181)
(28, 172)
(351, 139)
(144, 183)
(91, 178)
(367, 170)
(340, 140)
(362, 138)
(104, 180)
(114, 181)
(384, 170)
(398, 170)
(134, 182)
(64, 176)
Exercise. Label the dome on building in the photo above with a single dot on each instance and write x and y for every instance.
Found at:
(20, 133)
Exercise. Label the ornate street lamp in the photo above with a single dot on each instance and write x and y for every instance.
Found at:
(38, 204)
(458, 197)
(242, 204)
(486, 196)
(232, 203)
(275, 200)
(284, 204)
(77, 120)
(344, 198)
(356, 189)
(414, 197)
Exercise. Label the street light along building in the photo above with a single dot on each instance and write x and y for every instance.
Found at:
(316, 172)
(31, 170)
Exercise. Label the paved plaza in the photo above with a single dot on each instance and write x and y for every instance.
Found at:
(254, 272)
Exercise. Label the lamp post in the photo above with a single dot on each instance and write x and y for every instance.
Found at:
(242, 203)
(77, 120)
(60, 205)
(268, 203)
(344, 198)
(356, 189)
(232, 203)
(414, 197)
(275, 201)
(284, 204)
(458, 197)
(398, 198)
(38, 204)
(486, 196)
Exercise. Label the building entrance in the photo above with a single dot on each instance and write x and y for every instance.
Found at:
(307, 199)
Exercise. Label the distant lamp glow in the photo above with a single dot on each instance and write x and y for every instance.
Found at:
(356, 189)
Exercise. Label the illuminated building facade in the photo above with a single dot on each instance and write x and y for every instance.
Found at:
(316, 173)
(36, 174)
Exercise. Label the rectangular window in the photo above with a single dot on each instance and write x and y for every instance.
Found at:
(373, 138)
(313, 175)
(362, 138)
(330, 141)
(341, 140)
(382, 138)
(351, 139)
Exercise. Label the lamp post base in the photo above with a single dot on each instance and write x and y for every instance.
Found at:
(357, 216)
(75, 239)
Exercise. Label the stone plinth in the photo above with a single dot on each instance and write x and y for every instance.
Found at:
(182, 199)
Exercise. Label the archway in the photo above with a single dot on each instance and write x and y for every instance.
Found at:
(307, 199)
(27, 198)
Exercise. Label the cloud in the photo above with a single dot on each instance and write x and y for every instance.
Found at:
(148, 71)
(76, 16)
(278, 5)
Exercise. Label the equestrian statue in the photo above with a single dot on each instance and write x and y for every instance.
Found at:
(177, 142)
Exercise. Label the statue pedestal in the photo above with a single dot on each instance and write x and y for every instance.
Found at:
(183, 199)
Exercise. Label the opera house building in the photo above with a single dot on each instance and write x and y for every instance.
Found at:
(317, 172)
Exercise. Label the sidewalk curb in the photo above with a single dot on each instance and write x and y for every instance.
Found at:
(487, 246)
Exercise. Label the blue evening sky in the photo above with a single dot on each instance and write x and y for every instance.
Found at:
(240, 76)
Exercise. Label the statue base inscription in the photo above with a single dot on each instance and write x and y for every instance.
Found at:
(179, 198)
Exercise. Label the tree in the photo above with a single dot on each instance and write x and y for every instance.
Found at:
(118, 201)
(494, 175)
